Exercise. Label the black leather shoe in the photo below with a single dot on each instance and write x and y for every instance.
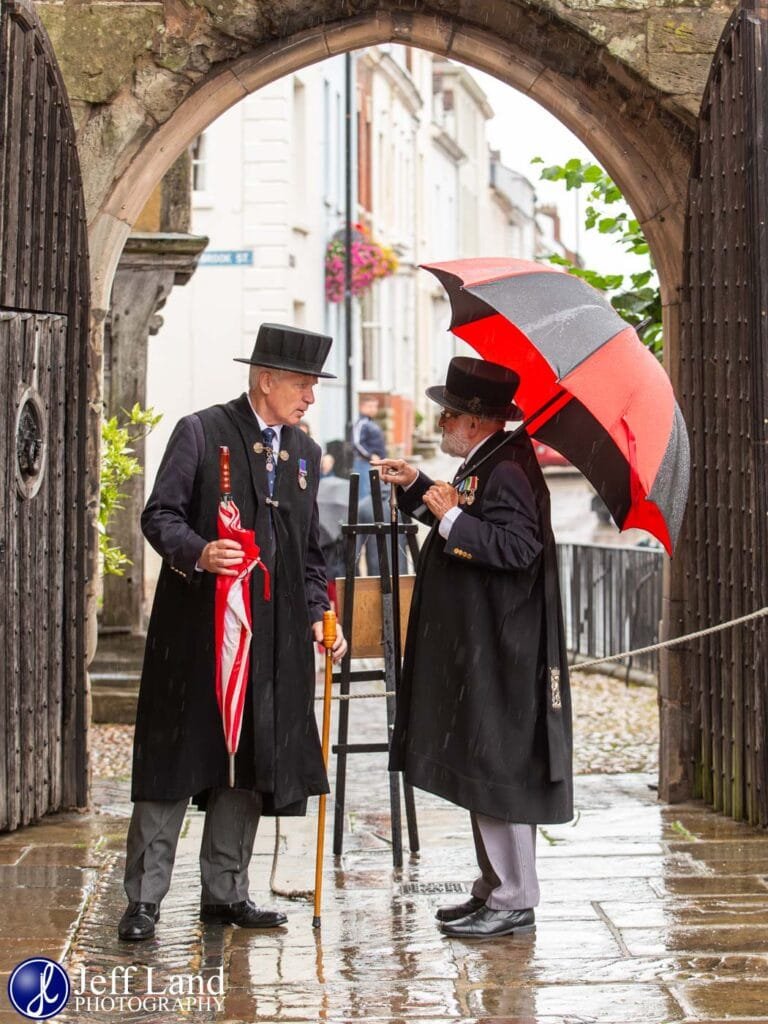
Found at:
(245, 914)
(488, 924)
(459, 909)
(138, 922)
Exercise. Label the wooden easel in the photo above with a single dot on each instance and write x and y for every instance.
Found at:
(365, 606)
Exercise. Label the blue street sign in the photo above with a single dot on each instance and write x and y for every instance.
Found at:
(227, 258)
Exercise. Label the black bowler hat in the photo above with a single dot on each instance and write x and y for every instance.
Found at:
(479, 388)
(290, 348)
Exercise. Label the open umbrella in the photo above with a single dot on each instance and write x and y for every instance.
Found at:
(588, 385)
(232, 616)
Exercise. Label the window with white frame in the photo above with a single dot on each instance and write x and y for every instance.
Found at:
(200, 164)
(370, 331)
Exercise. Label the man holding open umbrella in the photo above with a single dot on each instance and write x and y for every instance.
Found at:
(180, 749)
(483, 712)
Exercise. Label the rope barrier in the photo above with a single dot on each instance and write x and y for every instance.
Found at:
(578, 666)
(674, 641)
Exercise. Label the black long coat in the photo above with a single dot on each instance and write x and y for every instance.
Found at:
(179, 747)
(481, 719)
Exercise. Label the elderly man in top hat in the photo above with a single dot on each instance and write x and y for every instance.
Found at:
(483, 714)
(179, 748)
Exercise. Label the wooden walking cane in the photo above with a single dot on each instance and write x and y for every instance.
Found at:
(329, 639)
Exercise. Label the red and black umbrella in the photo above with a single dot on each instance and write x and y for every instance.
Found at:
(588, 385)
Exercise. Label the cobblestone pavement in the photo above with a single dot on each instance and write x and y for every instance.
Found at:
(650, 914)
(616, 729)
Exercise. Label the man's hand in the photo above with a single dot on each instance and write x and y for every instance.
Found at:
(339, 649)
(440, 497)
(395, 471)
(221, 556)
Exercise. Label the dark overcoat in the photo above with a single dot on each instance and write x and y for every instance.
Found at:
(179, 747)
(483, 715)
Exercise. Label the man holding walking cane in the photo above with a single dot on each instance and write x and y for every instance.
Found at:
(179, 747)
(483, 711)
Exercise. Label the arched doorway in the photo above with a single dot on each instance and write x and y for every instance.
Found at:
(623, 120)
(639, 130)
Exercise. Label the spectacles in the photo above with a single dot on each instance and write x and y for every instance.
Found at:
(448, 414)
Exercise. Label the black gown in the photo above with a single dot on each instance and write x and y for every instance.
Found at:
(483, 716)
(179, 747)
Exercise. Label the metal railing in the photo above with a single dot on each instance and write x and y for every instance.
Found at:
(611, 601)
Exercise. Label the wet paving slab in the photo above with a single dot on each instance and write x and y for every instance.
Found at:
(649, 914)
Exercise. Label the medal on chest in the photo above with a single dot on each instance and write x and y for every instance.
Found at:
(268, 452)
(466, 490)
(303, 474)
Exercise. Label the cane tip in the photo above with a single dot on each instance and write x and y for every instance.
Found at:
(315, 922)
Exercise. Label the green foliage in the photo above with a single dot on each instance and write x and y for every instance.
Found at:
(635, 297)
(119, 465)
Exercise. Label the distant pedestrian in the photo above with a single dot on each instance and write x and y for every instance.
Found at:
(483, 711)
(333, 506)
(179, 747)
(367, 441)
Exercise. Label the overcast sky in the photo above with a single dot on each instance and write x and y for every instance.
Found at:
(522, 130)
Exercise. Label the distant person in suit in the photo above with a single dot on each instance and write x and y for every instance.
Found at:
(483, 709)
(179, 748)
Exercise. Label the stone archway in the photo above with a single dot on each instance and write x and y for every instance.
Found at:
(640, 134)
(626, 82)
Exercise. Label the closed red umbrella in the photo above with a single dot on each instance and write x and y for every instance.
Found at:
(588, 386)
(233, 616)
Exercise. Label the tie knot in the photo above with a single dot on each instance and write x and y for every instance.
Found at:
(269, 435)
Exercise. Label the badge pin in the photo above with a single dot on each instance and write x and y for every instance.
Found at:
(283, 455)
(258, 447)
(303, 474)
(472, 483)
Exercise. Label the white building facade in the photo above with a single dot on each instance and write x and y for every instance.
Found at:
(269, 192)
(269, 181)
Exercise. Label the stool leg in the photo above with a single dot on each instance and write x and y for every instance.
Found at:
(346, 667)
(410, 817)
(394, 796)
(341, 772)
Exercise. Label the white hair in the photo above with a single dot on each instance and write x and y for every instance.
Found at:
(255, 372)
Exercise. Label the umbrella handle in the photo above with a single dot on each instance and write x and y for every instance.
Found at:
(329, 639)
(225, 474)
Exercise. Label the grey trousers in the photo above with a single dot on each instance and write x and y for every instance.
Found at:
(231, 820)
(506, 856)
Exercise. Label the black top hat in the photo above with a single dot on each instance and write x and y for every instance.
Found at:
(479, 388)
(290, 348)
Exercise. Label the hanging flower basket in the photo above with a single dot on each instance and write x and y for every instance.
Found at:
(370, 261)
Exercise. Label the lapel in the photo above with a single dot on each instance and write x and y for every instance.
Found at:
(287, 476)
(241, 414)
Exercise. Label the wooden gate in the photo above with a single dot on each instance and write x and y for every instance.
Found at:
(43, 370)
(724, 361)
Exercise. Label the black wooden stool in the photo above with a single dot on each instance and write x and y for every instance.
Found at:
(381, 530)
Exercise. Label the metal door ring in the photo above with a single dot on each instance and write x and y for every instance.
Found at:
(31, 443)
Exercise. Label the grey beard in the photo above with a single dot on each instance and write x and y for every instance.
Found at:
(455, 443)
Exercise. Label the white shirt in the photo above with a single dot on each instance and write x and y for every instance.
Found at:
(278, 428)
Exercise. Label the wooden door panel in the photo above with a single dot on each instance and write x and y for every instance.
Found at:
(724, 363)
(44, 365)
